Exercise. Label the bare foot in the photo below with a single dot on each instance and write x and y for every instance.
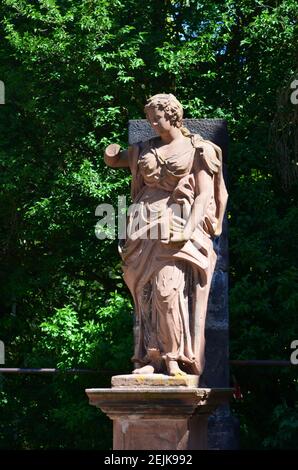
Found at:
(144, 370)
(174, 369)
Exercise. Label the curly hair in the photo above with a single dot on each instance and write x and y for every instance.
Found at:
(169, 104)
(172, 108)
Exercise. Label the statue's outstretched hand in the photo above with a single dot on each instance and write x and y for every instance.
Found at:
(114, 157)
(112, 151)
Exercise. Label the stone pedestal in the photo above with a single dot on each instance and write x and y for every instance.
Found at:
(158, 412)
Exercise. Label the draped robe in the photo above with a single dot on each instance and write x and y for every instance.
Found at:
(170, 281)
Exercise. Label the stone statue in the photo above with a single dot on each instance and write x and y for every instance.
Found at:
(179, 199)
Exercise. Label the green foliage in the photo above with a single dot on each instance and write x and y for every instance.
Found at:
(58, 405)
(285, 422)
(74, 72)
(52, 412)
(91, 343)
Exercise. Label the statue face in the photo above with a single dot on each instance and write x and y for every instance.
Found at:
(158, 121)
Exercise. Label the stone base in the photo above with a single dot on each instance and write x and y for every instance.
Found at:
(155, 380)
(156, 413)
(160, 434)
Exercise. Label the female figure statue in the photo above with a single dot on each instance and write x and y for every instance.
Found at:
(179, 198)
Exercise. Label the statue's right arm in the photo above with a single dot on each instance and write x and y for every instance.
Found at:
(115, 158)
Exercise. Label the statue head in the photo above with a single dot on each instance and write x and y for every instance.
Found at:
(167, 103)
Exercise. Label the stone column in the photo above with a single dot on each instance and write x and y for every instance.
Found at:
(158, 412)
